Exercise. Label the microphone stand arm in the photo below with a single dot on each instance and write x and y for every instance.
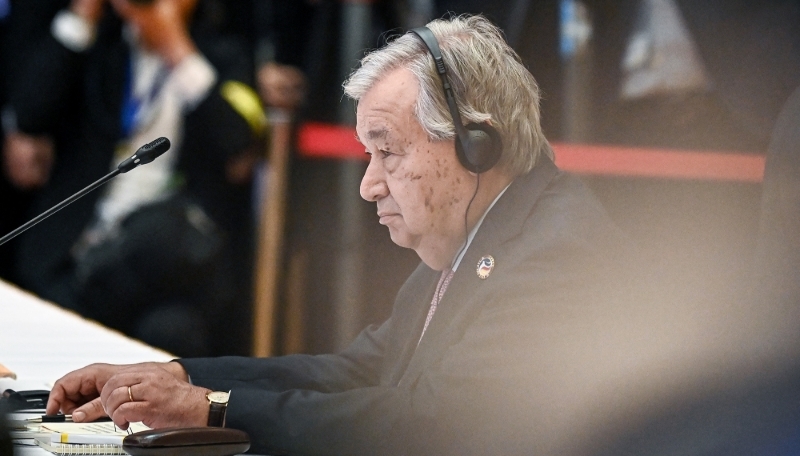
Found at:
(59, 206)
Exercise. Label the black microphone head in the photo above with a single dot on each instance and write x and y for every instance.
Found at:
(145, 154)
(153, 150)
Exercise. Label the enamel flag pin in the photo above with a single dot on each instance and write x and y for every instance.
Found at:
(485, 266)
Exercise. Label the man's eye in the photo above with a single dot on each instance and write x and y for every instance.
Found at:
(384, 153)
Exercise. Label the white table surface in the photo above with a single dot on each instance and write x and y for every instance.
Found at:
(40, 342)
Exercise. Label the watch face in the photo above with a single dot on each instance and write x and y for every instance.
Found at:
(220, 397)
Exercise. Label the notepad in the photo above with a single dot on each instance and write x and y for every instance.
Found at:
(76, 448)
(84, 438)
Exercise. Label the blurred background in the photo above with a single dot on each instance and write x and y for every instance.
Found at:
(666, 107)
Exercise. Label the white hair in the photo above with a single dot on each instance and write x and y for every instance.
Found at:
(488, 78)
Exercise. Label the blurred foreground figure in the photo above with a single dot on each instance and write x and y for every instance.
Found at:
(515, 335)
(732, 384)
(161, 252)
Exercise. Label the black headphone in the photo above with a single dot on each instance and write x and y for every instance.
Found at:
(479, 145)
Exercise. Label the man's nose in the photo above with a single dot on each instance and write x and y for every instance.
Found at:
(373, 184)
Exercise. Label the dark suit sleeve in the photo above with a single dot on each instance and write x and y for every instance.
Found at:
(226, 124)
(465, 391)
(441, 412)
(508, 364)
(226, 121)
(357, 365)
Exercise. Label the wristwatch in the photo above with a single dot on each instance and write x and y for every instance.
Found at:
(217, 406)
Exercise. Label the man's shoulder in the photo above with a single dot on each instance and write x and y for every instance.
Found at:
(562, 206)
(568, 236)
(569, 198)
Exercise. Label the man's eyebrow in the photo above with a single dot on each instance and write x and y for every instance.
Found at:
(378, 133)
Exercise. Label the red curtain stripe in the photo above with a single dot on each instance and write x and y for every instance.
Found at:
(319, 140)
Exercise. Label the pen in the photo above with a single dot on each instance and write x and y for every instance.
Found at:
(50, 419)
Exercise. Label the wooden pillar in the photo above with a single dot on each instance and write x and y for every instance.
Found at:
(270, 236)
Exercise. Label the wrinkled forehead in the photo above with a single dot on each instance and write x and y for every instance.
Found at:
(388, 106)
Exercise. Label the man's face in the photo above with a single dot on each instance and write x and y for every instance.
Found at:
(420, 188)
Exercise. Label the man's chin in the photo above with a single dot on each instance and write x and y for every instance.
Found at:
(401, 238)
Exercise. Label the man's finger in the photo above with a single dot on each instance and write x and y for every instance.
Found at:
(130, 412)
(116, 398)
(89, 412)
(54, 400)
(121, 380)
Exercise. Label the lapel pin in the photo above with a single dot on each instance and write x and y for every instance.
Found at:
(485, 266)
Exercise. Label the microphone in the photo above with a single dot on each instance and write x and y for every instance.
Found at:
(143, 155)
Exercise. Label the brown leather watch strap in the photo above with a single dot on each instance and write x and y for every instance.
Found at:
(217, 408)
(216, 414)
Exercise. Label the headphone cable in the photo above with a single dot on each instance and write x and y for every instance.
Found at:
(466, 213)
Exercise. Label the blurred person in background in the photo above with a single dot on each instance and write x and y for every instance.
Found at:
(281, 36)
(298, 49)
(161, 253)
(25, 160)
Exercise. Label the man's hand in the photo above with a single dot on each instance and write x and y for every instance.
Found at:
(28, 160)
(90, 10)
(79, 391)
(81, 388)
(161, 26)
(155, 397)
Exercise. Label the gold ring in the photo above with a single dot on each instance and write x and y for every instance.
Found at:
(130, 396)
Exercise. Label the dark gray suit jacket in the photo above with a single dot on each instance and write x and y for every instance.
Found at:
(489, 374)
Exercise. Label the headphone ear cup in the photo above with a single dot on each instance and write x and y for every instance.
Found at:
(483, 150)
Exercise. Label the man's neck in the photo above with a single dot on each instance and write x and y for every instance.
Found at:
(489, 185)
(474, 231)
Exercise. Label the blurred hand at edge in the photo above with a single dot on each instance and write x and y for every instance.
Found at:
(28, 160)
(89, 10)
(161, 26)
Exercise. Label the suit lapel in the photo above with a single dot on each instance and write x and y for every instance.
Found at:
(458, 307)
(408, 318)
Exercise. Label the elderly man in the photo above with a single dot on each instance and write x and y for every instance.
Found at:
(477, 352)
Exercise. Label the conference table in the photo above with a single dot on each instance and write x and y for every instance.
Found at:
(40, 342)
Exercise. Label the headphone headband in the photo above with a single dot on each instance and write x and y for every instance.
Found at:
(432, 44)
(478, 146)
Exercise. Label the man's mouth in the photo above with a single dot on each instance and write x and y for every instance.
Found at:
(385, 217)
